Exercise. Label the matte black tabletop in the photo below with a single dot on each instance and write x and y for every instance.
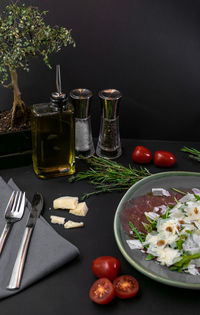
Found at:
(66, 290)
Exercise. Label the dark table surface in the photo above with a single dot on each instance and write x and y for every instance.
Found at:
(66, 290)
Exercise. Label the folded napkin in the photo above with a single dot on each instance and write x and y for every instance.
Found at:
(47, 251)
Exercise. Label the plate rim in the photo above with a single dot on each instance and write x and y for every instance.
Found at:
(119, 242)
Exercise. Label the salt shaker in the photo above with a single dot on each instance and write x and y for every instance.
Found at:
(81, 99)
(109, 145)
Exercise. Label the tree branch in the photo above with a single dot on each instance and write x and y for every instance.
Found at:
(8, 86)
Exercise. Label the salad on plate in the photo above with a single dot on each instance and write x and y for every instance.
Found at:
(171, 231)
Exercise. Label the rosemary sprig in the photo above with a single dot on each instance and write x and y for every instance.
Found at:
(193, 153)
(108, 176)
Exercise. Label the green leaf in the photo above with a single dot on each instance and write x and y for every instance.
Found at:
(180, 242)
(137, 233)
(184, 262)
(173, 268)
(153, 223)
(150, 257)
(197, 197)
(148, 227)
(189, 232)
(166, 215)
(24, 34)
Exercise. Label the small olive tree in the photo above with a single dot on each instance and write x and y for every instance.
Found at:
(23, 35)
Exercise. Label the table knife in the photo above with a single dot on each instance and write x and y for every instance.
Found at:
(37, 206)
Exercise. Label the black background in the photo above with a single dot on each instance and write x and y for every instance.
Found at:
(150, 50)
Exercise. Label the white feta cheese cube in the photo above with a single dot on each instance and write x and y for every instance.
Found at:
(71, 224)
(80, 210)
(160, 192)
(65, 202)
(56, 219)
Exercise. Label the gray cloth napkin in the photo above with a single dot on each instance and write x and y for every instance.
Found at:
(47, 251)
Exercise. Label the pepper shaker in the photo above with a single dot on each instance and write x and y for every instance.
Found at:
(81, 99)
(109, 144)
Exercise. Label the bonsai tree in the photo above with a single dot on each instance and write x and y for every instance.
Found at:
(23, 35)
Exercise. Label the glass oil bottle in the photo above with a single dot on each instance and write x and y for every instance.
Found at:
(53, 135)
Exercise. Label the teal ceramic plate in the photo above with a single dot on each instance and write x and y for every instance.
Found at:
(135, 257)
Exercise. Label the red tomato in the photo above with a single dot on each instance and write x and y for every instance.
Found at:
(102, 291)
(164, 158)
(106, 266)
(141, 155)
(125, 286)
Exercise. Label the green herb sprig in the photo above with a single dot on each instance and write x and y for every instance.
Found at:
(179, 191)
(108, 176)
(140, 236)
(167, 213)
(193, 153)
(153, 223)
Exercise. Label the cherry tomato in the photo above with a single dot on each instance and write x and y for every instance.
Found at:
(102, 291)
(141, 155)
(125, 286)
(164, 158)
(106, 266)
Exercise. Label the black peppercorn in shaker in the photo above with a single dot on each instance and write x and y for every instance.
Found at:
(109, 145)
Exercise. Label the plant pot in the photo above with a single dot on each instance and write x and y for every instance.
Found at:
(15, 148)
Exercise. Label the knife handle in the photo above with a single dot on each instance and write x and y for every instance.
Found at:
(17, 271)
(4, 235)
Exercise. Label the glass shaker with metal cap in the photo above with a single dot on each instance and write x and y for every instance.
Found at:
(81, 99)
(109, 145)
(53, 135)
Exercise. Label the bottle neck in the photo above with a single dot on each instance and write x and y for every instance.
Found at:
(58, 101)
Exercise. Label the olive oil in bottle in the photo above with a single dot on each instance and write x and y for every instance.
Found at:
(53, 137)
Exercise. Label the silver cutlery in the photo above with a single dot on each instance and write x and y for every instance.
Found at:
(13, 213)
(37, 206)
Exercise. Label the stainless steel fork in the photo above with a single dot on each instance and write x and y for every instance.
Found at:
(13, 213)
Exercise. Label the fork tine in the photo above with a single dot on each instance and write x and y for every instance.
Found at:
(10, 202)
(22, 205)
(17, 202)
(13, 213)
